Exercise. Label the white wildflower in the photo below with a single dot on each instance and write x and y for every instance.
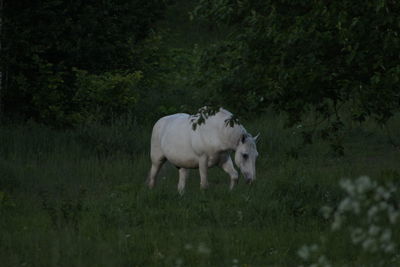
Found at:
(357, 235)
(326, 212)
(372, 212)
(345, 205)
(188, 246)
(364, 184)
(323, 261)
(369, 244)
(373, 230)
(393, 215)
(381, 192)
(337, 222)
(240, 215)
(368, 212)
(313, 247)
(304, 252)
(179, 262)
(386, 236)
(203, 249)
(389, 248)
(356, 207)
(383, 205)
(348, 186)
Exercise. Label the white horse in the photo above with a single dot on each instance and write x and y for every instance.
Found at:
(174, 139)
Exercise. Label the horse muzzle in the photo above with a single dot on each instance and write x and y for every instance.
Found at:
(249, 181)
(248, 178)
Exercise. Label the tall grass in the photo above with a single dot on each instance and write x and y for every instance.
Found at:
(78, 198)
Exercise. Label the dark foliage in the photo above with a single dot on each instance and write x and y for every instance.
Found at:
(306, 56)
(46, 42)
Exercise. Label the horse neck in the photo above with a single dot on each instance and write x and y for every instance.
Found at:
(234, 134)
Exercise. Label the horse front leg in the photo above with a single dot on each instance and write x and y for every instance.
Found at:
(227, 166)
(203, 168)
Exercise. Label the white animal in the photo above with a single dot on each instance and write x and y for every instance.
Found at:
(174, 139)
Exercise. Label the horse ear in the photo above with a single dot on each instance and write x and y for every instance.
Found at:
(256, 138)
(243, 139)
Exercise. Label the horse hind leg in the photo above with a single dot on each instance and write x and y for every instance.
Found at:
(183, 175)
(154, 170)
(157, 157)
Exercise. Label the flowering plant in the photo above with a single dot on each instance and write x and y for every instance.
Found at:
(368, 215)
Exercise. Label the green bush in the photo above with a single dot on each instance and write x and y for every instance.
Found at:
(102, 97)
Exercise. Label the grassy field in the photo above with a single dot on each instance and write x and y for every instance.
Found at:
(78, 198)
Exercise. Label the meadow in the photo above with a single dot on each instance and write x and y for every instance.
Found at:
(78, 198)
(73, 193)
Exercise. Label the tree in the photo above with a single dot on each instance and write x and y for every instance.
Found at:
(302, 56)
(45, 41)
(1, 66)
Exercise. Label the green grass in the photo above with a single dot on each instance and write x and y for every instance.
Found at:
(78, 198)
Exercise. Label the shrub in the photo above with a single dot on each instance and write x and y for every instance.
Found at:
(104, 96)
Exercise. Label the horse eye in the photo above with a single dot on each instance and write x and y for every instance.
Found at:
(245, 156)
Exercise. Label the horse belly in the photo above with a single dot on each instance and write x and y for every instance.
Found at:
(178, 151)
(181, 156)
(190, 163)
